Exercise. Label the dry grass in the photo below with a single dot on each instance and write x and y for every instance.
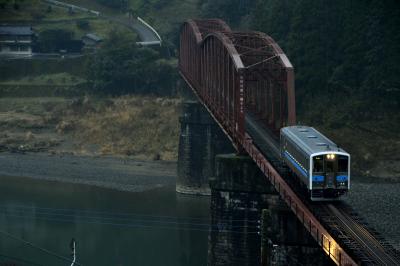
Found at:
(142, 127)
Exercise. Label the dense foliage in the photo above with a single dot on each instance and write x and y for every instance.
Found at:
(121, 4)
(122, 67)
(345, 52)
(54, 40)
(15, 4)
(234, 12)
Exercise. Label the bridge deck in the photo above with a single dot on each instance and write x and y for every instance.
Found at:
(338, 217)
(235, 74)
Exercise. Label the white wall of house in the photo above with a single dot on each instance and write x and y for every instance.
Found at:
(15, 49)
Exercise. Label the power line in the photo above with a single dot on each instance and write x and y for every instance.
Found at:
(219, 228)
(114, 219)
(20, 260)
(37, 247)
(130, 214)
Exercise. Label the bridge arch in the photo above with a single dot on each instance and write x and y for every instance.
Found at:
(237, 74)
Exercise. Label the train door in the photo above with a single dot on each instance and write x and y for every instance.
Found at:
(330, 170)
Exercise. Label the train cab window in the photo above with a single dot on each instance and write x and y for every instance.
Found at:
(318, 164)
(329, 166)
(343, 163)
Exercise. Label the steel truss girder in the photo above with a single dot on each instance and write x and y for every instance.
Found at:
(236, 72)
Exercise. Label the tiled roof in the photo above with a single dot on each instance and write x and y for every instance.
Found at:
(94, 37)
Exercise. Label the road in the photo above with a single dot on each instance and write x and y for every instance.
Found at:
(147, 34)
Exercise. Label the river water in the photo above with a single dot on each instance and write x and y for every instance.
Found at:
(156, 227)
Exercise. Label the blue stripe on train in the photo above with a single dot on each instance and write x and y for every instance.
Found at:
(298, 167)
(342, 178)
(318, 178)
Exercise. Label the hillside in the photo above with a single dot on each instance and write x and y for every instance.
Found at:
(345, 55)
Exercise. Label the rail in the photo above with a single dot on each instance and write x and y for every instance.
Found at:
(324, 239)
(235, 74)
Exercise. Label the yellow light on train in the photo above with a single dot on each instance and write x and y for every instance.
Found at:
(330, 156)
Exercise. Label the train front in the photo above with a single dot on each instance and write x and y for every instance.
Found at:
(330, 176)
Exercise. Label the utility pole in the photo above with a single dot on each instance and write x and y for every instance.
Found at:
(73, 246)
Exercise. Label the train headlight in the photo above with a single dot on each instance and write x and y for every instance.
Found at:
(330, 156)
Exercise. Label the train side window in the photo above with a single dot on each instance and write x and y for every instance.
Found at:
(318, 164)
(343, 163)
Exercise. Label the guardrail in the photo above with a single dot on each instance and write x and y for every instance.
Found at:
(152, 29)
(62, 4)
(83, 9)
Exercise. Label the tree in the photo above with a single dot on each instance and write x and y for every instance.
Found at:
(121, 67)
(119, 4)
(232, 11)
(53, 40)
(83, 24)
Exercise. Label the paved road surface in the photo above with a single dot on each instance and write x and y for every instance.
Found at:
(146, 34)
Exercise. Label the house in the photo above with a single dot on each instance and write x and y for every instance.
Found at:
(91, 40)
(16, 40)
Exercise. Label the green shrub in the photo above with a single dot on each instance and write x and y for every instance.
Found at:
(83, 24)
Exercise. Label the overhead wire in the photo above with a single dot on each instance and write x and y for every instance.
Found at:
(124, 220)
(124, 213)
(31, 263)
(216, 228)
(151, 222)
(77, 216)
(154, 219)
(74, 211)
(44, 250)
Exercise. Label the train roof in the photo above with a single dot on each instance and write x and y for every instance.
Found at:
(311, 140)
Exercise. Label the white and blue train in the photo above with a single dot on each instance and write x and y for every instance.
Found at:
(321, 166)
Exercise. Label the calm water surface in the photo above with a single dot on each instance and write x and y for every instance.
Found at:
(156, 227)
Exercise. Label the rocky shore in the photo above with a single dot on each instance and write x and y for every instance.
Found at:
(376, 201)
(103, 171)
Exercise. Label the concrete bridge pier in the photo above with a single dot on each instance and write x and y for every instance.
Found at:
(239, 192)
(200, 140)
(250, 224)
(284, 240)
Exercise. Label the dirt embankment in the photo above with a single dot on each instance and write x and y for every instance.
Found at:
(140, 127)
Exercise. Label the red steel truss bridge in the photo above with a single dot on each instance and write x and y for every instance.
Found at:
(246, 82)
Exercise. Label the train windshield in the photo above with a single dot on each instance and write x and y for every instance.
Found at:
(343, 164)
(318, 164)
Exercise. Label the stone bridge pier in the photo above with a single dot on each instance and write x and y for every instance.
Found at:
(200, 141)
(250, 224)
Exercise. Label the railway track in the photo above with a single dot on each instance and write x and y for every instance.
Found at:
(354, 234)
(367, 247)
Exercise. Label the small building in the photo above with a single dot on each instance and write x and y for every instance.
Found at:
(16, 40)
(91, 40)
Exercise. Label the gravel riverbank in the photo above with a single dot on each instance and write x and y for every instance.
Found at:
(378, 204)
(108, 172)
